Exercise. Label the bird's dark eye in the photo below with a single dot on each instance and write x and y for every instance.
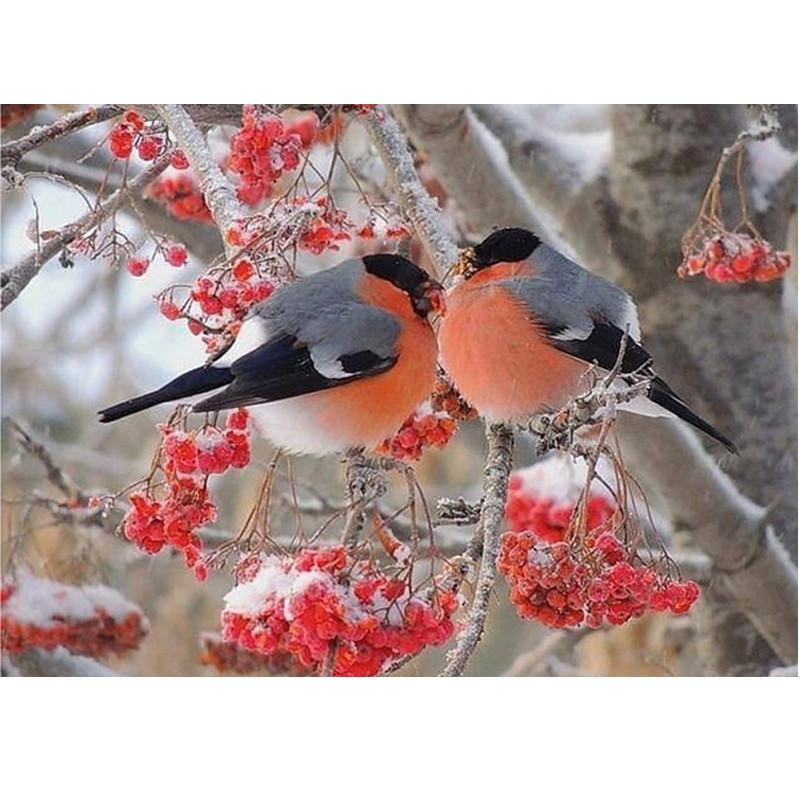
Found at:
(505, 245)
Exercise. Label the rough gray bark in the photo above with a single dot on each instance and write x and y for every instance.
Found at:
(220, 197)
(737, 375)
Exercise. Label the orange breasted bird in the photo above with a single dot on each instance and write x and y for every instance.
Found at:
(334, 360)
(526, 323)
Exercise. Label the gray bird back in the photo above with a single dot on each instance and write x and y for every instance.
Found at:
(564, 295)
(325, 311)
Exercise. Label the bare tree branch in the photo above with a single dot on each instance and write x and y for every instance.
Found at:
(475, 174)
(11, 153)
(14, 279)
(495, 488)
(418, 205)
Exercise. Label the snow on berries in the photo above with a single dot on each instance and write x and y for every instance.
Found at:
(423, 428)
(734, 258)
(323, 603)
(174, 515)
(542, 498)
(564, 570)
(93, 621)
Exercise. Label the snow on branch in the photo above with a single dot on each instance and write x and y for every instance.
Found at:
(421, 209)
(59, 663)
(14, 279)
(219, 195)
(11, 153)
(495, 488)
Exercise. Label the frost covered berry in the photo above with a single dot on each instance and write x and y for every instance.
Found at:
(176, 255)
(148, 148)
(121, 140)
(137, 266)
(424, 428)
(735, 258)
(303, 605)
(178, 160)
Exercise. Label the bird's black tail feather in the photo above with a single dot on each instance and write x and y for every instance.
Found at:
(661, 394)
(196, 381)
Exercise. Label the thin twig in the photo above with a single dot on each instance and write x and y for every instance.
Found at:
(14, 279)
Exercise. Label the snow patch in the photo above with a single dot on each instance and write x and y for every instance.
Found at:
(770, 162)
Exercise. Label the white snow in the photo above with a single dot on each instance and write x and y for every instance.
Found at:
(561, 478)
(37, 601)
(770, 162)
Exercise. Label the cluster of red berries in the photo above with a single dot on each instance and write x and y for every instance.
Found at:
(264, 148)
(325, 230)
(321, 603)
(90, 621)
(218, 302)
(312, 225)
(548, 517)
(131, 132)
(424, 428)
(189, 458)
(562, 585)
(736, 258)
(445, 398)
(228, 658)
(180, 194)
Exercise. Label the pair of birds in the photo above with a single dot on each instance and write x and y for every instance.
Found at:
(339, 359)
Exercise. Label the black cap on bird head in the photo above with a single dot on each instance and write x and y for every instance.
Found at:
(425, 293)
(506, 245)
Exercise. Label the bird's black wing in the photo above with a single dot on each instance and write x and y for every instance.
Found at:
(284, 368)
(602, 347)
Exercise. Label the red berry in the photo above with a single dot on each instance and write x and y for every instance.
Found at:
(178, 160)
(138, 266)
(121, 141)
(149, 147)
(176, 255)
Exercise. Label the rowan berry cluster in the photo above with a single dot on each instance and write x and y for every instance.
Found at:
(91, 621)
(229, 658)
(424, 428)
(566, 585)
(264, 148)
(187, 459)
(218, 301)
(445, 398)
(542, 498)
(735, 258)
(322, 603)
(129, 133)
(180, 194)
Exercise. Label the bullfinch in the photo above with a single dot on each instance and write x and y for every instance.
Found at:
(524, 325)
(335, 360)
